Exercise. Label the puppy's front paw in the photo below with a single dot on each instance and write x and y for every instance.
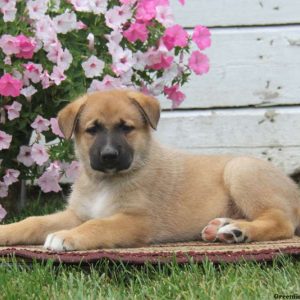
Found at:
(59, 241)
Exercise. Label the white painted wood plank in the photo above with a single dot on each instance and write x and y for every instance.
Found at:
(249, 66)
(259, 132)
(236, 12)
(286, 158)
(250, 127)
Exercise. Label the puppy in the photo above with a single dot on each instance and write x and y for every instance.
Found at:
(132, 191)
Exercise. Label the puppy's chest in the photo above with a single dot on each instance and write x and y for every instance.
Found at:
(100, 204)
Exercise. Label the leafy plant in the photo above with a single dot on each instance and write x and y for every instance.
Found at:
(51, 51)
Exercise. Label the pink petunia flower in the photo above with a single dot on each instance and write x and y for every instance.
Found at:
(182, 2)
(57, 75)
(72, 171)
(49, 181)
(161, 2)
(40, 124)
(107, 83)
(8, 44)
(199, 63)
(93, 67)
(51, 41)
(56, 166)
(140, 60)
(146, 10)
(81, 5)
(175, 95)
(129, 2)
(45, 80)
(152, 56)
(7, 60)
(98, 6)
(9, 11)
(33, 72)
(13, 110)
(96, 85)
(201, 36)
(123, 61)
(5, 2)
(113, 48)
(44, 29)
(26, 46)
(28, 92)
(3, 194)
(55, 51)
(136, 31)
(164, 15)
(11, 176)
(126, 78)
(10, 86)
(81, 26)
(164, 63)
(5, 140)
(55, 127)
(3, 212)
(117, 16)
(143, 89)
(39, 154)
(175, 36)
(65, 59)
(24, 156)
(65, 22)
(37, 8)
(91, 41)
(157, 86)
(115, 37)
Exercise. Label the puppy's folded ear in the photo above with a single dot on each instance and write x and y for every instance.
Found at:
(148, 106)
(68, 116)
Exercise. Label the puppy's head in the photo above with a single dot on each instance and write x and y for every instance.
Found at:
(111, 129)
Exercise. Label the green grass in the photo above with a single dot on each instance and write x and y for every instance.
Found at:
(118, 281)
(246, 280)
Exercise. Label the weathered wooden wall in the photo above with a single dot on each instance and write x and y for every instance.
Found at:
(249, 103)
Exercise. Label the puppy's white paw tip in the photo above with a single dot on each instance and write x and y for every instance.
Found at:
(231, 234)
(56, 243)
(224, 230)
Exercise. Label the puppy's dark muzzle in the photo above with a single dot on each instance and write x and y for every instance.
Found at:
(109, 156)
(110, 153)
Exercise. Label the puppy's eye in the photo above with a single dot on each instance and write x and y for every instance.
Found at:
(126, 128)
(92, 130)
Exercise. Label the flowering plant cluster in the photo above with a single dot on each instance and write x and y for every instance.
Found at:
(51, 51)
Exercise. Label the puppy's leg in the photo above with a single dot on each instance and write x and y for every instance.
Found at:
(267, 199)
(120, 230)
(33, 230)
(273, 224)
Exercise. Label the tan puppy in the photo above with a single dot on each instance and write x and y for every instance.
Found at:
(132, 191)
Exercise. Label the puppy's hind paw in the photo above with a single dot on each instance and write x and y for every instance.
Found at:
(210, 232)
(231, 234)
(224, 230)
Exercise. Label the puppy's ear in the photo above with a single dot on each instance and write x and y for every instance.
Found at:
(148, 106)
(68, 116)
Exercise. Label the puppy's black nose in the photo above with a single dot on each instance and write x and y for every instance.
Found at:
(109, 154)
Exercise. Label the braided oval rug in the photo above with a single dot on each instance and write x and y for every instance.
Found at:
(196, 251)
